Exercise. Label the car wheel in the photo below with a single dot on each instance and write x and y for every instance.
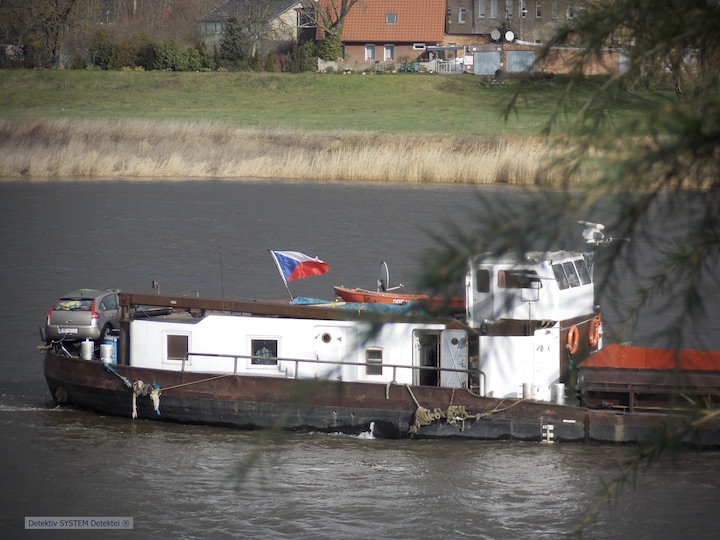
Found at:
(106, 331)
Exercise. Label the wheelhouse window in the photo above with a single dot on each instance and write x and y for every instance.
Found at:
(373, 362)
(391, 18)
(571, 274)
(264, 352)
(560, 276)
(177, 346)
(482, 278)
(522, 279)
(582, 271)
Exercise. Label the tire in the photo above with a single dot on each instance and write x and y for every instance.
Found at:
(106, 331)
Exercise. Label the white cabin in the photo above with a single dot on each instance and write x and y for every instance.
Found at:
(345, 350)
(541, 286)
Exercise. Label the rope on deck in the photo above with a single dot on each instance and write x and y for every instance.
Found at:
(424, 417)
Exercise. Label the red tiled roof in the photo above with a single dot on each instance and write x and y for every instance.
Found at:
(417, 21)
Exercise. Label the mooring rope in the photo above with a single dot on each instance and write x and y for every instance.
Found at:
(122, 378)
(453, 414)
(142, 389)
(165, 389)
(153, 390)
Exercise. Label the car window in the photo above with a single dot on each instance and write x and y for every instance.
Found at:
(71, 304)
(109, 302)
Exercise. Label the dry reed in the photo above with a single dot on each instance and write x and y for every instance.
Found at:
(64, 148)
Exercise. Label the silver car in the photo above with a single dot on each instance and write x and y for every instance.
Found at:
(81, 314)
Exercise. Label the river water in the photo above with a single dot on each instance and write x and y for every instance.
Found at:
(211, 238)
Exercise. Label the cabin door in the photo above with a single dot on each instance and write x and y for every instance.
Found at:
(453, 356)
(427, 355)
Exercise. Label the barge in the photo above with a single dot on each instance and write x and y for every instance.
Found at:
(524, 362)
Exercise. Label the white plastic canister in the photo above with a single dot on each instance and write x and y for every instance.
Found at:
(87, 348)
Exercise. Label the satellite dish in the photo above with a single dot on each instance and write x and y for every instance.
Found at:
(384, 280)
(495, 34)
(509, 36)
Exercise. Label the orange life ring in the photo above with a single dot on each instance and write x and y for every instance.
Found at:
(573, 340)
(594, 334)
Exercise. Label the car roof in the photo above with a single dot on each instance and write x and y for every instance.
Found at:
(86, 294)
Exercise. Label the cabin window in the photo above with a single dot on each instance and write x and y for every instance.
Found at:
(264, 352)
(373, 362)
(508, 279)
(177, 346)
(560, 276)
(582, 271)
(482, 277)
(571, 274)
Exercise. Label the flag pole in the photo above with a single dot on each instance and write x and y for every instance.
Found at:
(277, 265)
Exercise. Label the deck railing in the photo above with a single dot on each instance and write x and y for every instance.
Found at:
(473, 375)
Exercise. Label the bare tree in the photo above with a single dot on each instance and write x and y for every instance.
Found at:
(330, 14)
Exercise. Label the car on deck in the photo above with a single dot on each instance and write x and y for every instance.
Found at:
(83, 314)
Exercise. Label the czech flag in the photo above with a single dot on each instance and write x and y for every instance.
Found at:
(296, 265)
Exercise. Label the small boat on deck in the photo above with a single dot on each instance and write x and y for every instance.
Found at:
(524, 362)
(431, 303)
(392, 295)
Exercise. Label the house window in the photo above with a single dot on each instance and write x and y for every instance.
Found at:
(493, 9)
(391, 18)
(177, 346)
(461, 15)
(480, 8)
(389, 53)
(373, 362)
(522, 7)
(418, 46)
(570, 11)
(538, 9)
(553, 9)
(369, 53)
(305, 19)
(509, 9)
(264, 352)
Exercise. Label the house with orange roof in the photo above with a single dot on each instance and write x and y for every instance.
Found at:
(392, 31)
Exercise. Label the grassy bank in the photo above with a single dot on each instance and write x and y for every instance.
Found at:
(408, 128)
